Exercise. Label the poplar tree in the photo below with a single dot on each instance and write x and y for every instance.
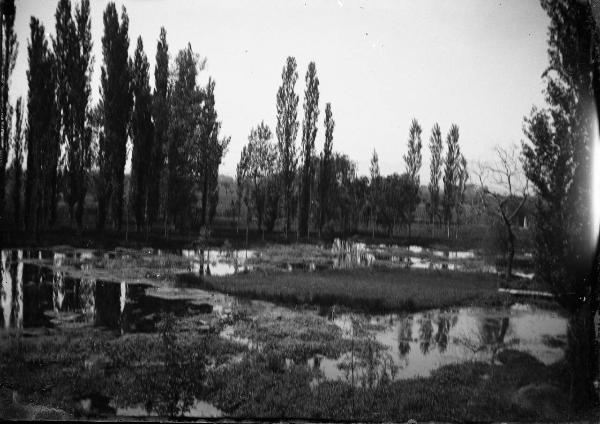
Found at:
(450, 174)
(413, 160)
(309, 133)
(18, 157)
(8, 56)
(72, 48)
(435, 171)
(208, 152)
(160, 115)
(142, 135)
(116, 100)
(374, 189)
(326, 168)
(287, 129)
(558, 163)
(184, 118)
(462, 178)
(42, 134)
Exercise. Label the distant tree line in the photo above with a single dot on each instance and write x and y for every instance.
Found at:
(322, 191)
(65, 147)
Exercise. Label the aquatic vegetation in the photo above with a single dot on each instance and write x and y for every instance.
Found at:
(104, 348)
(375, 290)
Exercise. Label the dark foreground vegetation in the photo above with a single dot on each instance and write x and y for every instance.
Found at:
(92, 373)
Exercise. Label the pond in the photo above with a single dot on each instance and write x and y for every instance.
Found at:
(352, 254)
(38, 298)
(419, 343)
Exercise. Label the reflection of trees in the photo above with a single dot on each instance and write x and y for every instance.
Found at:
(425, 334)
(18, 301)
(122, 303)
(493, 330)
(87, 298)
(11, 299)
(108, 307)
(441, 336)
(58, 283)
(404, 336)
(490, 336)
(6, 299)
(368, 362)
(433, 332)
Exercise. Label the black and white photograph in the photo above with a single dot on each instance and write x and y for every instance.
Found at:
(300, 210)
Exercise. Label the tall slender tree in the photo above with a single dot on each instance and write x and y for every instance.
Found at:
(8, 56)
(374, 189)
(42, 135)
(206, 132)
(184, 115)
(160, 115)
(287, 129)
(142, 135)
(450, 174)
(18, 157)
(116, 103)
(73, 47)
(435, 172)
(558, 164)
(413, 160)
(209, 149)
(462, 178)
(325, 168)
(309, 133)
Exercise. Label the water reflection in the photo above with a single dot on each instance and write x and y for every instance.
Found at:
(6, 290)
(419, 343)
(348, 254)
(37, 297)
(218, 262)
(404, 336)
(199, 409)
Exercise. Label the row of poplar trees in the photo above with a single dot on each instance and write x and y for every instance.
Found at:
(173, 131)
(271, 182)
(394, 198)
(268, 172)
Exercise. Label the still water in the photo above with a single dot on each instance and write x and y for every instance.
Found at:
(36, 298)
(422, 342)
(39, 298)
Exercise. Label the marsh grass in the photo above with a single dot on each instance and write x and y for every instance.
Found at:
(371, 290)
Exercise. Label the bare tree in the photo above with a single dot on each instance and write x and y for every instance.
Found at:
(507, 194)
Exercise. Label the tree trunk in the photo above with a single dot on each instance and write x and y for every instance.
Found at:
(511, 253)
(287, 213)
(582, 357)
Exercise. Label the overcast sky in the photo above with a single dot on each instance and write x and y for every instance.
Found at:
(476, 63)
